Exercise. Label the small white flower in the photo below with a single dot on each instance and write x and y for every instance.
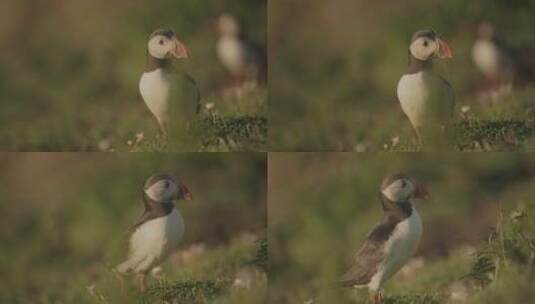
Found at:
(360, 147)
(465, 109)
(395, 141)
(140, 136)
(209, 105)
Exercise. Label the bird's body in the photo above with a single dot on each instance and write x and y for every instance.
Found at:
(159, 230)
(172, 96)
(496, 62)
(232, 53)
(426, 98)
(153, 241)
(391, 244)
(241, 58)
(398, 249)
(488, 58)
(155, 89)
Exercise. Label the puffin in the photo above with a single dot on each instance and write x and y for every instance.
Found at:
(393, 241)
(242, 59)
(425, 97)
(172, 96)
(500, 63)
(492, 57)
(159, 230)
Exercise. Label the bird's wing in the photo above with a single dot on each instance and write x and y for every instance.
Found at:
(185, 97)
(255, 54)
(369, 257)
(441, 101)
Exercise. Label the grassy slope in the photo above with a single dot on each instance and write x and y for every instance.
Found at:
(208, 278)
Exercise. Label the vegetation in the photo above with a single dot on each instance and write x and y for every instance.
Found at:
(69, 76)
(479, 226)
(65, 220)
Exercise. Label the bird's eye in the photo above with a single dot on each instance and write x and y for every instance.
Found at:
(403, 183)
(425, 43)
(160, 42)
(166, 184)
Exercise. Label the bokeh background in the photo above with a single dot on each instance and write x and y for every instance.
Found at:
(69, 70)
(65, 218)
(334, 68)
(322, 206)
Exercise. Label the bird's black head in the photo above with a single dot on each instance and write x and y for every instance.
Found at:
(425, 44)
(163, 188)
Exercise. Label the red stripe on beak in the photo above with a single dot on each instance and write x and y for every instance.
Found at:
(444, 50)
(180, 51)
(186, 194)
(421, 192)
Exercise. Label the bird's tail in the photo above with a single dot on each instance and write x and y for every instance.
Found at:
(125, 267)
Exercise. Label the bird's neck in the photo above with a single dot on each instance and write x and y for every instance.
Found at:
(416, 65)
(399, 210)
(160, 208)
(154, 63)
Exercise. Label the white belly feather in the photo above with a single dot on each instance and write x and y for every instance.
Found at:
(153, 241)
(398, 249)
(231, 52)
(486, 57)
(155, 90)
(413, 94)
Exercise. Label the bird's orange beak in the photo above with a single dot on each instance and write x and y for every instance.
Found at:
(421, 191)
(444, 50)
(179, 51)
(186, 194)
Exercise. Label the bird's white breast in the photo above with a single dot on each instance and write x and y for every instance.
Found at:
(413, 94)
(155, 90)
(398, 249)
(155, 239)
(231, 52)
(486, 57)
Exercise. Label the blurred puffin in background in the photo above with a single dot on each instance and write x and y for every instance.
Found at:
(501, 65)
(245, 62)
(495, 62)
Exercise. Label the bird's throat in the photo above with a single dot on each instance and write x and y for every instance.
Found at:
(416, 65)
(154, 63)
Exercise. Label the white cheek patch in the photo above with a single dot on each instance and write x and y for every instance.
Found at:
(420, 52)
(159, 193)
(156, 49)
(395, 192)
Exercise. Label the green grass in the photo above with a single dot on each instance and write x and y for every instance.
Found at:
(185, 292)
(215, 133)
(479, 135)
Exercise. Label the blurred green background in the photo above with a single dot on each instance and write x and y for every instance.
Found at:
(65, 219)
(69, 70)
(334, 68)
(322, 206)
